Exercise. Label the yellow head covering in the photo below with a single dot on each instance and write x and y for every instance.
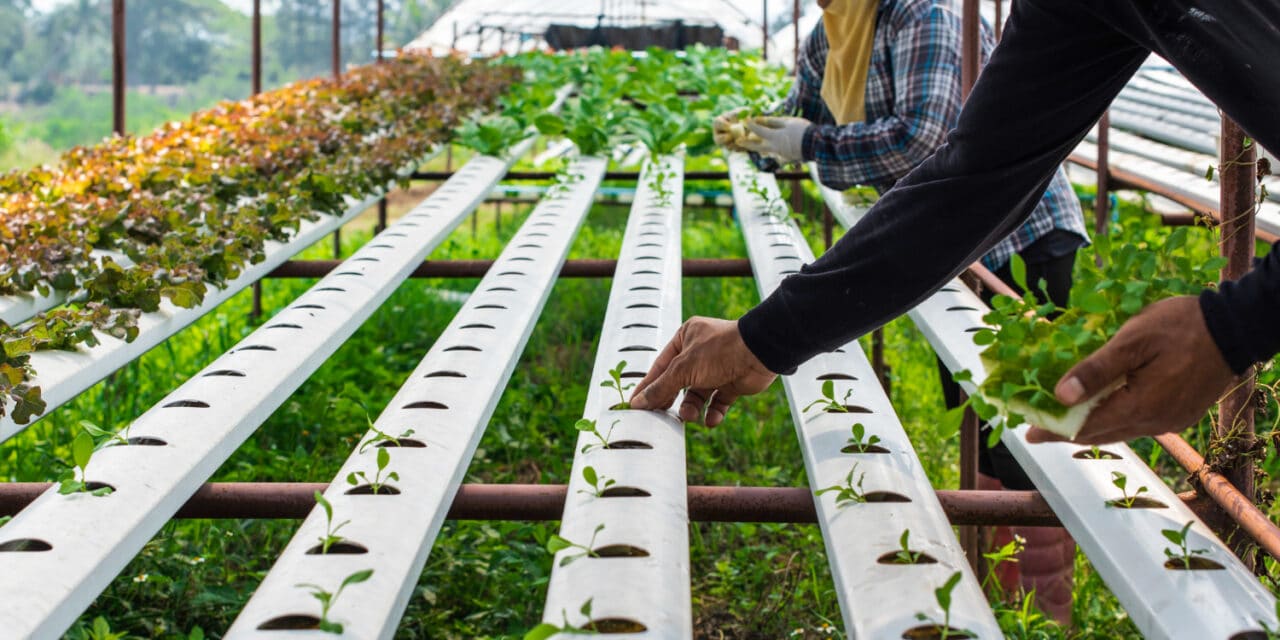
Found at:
(851, 29)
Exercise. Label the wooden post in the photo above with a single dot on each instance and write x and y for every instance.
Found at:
(970, 434)
(117, 67)
(999, 19)
(1234, 432)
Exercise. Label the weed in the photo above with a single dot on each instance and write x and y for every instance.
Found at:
(379, 481)
(327, 599)
(1007, 553)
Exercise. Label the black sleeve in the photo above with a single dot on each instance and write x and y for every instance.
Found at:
(1049, 80)
(1244, 316)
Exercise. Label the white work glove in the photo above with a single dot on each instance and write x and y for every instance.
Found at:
(780, 137)
(721, 125)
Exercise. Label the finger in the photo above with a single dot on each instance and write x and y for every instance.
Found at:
(1036, 435)
(659, 394)
(754, 126)
(1097, 372)
(767, 122)
(1120, 413)
(719, 408)
(694, 401)
(660, 365)
(758, 145)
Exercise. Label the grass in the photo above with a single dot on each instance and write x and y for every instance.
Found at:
(486, 579)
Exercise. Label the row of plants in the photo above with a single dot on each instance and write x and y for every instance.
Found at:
(188, 206)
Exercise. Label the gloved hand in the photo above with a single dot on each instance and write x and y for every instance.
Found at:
(780, 137)
(720, 126)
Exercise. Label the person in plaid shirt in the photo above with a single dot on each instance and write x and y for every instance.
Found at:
(911, 100)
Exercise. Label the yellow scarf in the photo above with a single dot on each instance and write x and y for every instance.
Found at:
(851, 30)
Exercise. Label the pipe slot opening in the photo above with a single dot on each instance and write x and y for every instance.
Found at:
(367, 490)
(187, 404)
(333, 289)
(511, 273)
(620, 551)
(632, 374)
(348, 273)
(500, 289)
(490, 306)
(255, 347)
(936, 632)
(284, 325)
(629, 445)
(848, 408)
(1090, 454)
(23, 545)
(145, 441)
(642, 305)
(961, 308)
(1139, 502)
(445, 374)
(1194, 563)
(899, 557)
(640, 325)
(310, 306)
(407, 443)
(343, 548)
(643, 288)
(477, 325)
(230, 373)
(611, 626)
(638, 347)
(426, 404)
(885, 496)
(291, 622)
(836, 376)
(865, 448)
(463, 347)
(624, 492)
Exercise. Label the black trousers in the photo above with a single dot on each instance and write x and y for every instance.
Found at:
(997, 461)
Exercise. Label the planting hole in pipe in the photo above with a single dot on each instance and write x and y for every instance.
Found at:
(500, 289)
(187, 404)
(961, 308)
(886, 496)
(614, 625)
(1138, 502)
(645, 272)
(490, 306)
(638, 347)
(292, 622)
(463, 347)
(529, 245)
(864, 448)
(140, 441)
(629, 445)
(1197, 563)
(848, 408)
(333, 289)
(632, 374)
(368, 258)
(408, 443)
(310, 306)
(368, 490)
(901, 557)
(640, 325)
(520, 259)
(1094, 453)
(477, 325)
(23, 545)
(445, 374)
(619, 551)
(624, 492)
(836, 376)
(650, 244)
(1251, 635)
(643, 287)
(348, 273)
(284, 325)
(426, 404)
(255, 347)
(230, 373)
(935, 632)
(642, 305)
(949, 289)
(341, 548)
(511, 273)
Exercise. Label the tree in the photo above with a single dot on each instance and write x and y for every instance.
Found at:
(167, 42)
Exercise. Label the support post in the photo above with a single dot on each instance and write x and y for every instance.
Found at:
(255, 63)
(877, 359)
(117, 67)
(828, 226)
(969, 443)
(969, 48)
(336, 43)
(999, 19)
(1102, 201)
(795, 32)
(764, 32)
(1234, 432)
(378, 39)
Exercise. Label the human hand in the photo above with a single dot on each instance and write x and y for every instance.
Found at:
(780, 137)
(722, 125)
(1171, 368)
(708, 357)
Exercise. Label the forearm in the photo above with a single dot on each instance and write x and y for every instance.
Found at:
(1244, 316)
(957, 204)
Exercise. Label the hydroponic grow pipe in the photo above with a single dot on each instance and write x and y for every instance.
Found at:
(585, 268)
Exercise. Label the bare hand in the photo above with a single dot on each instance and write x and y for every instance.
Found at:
(1172, 369)
(708, 357)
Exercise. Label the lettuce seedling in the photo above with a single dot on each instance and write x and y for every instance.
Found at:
(330, 536)
(1182, 555)
(327, 599)
(546, 629)
(859, 443)
(943, 596)
(828, 400)
(849, 492)
(379, 481)
(615, 382)
(72, 482)
(1125, 500)
(556, 544)
(905, 555)
(598, 483)
(589, 426)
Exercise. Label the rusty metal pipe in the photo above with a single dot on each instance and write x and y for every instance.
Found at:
(692, 268)
(255, 51)
(539, 502)
(969, 48)
(1237, 506)
(1102, 199)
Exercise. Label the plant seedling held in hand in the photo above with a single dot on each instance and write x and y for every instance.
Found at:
(1125, 501)
(599, 484)
(589, 426)
(828, 400)
(330, 531)
(615, 382)
(379, 481)
(327, 599)
(74, 480)
(849, 492)
(556, 544)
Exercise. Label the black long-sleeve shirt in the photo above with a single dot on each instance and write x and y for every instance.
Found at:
(1052, 76)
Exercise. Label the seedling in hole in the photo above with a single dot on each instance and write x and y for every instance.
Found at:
(379, 480)
(598, 483)
(1095, 453)
(73, 482)
(615, 382)
(104, 436)
(556, 544)
(330, 532)
(589, 426)
(828, 400)
(327, 599)
(849, 491)
(943, 596)
(1126, 501)
(546, 629)
(1182, 554)
(905, 555)
(857, 443)
(380, 436)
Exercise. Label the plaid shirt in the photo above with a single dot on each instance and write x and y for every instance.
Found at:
(912, 101)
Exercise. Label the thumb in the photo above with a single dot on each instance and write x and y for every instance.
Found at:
(659, 394)
(1095, 373)
(766, 123)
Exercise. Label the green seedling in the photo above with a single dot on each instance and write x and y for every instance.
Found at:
(615, 382)
(1182, 555)
(774, 207)
(546, 629)
(1007, 553)
(658, 185)
(5, 520)
(330, 531)
(104, 437)
(905, 555)
(379, 480)
(1125, 500)
(598, 483)
(380, 436)
(1095, 453)
(943, 596)
(556, 544)
(860, 443)
(328, 599)
(849, 492)
(589, 426)
(74, 480)
(828, 400)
